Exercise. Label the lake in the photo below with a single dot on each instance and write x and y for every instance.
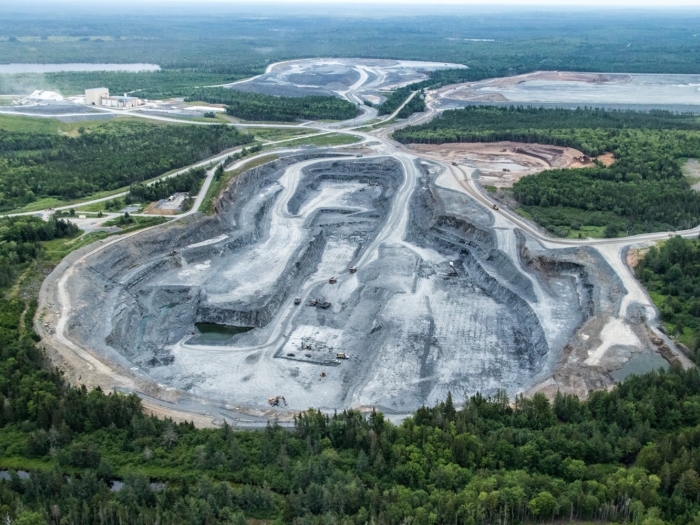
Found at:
(9, 69)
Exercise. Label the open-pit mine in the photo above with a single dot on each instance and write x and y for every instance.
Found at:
(371, 276)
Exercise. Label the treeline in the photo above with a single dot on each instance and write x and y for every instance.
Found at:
(671, 273)
(151, 85)
(561, 127)
(398, 97)
(34, 166)
(20, 242)
(187, 182)
(643, 190)
(254, 106)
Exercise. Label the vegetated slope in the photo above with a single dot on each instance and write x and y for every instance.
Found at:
(189, 181)
(398, 97)
(644, 190)
(35, 165)
(671, 273)
(253, 106)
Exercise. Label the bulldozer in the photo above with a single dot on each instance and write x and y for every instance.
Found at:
(332, 280)
(352, 269)
(275, 401)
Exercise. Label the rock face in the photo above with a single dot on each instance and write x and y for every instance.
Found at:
(412, 325)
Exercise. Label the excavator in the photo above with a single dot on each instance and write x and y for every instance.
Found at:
(275, 401)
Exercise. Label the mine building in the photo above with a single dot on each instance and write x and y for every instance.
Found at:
(93, 97)
(100, 97)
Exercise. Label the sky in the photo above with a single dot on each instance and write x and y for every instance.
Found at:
(415, 5)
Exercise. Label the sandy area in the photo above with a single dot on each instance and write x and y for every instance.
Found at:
(502, 164)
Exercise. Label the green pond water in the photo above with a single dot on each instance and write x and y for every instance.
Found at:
(218, 332)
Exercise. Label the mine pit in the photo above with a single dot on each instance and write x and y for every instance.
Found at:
(336, 281)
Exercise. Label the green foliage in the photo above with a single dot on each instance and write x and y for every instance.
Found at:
(112, 156)
(253, 106)
(643, 190)
(671, 273)
(189, 181)
(398, 97)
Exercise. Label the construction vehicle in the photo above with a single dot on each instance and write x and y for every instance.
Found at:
(307, 355)
(506, 170)
(172, 252)
(341, 356)
(352, 269)
(325, 305)
(332, 280)
(313, 302)
(291, 354)
(452, 273)
(495, 207)
(297, 300)
(454, 163)
(275, 401)
(322, 374)
(359, 155)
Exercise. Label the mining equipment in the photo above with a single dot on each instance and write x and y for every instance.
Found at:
(332, 280)
(452, 273)
(322, 374)
(359, 155)
(352, 269)
(455, 164)
(297, 300)
(341, 356)
(495, 207)
(291, 354)
(313, 302)
(307, 355)
(172, 252)
(325, 305)
(506, 170)
(275, 401)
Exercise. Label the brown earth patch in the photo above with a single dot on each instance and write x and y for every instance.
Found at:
(502, 164)
(608, 159)
(157, 211)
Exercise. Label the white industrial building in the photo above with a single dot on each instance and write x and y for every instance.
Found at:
(93, 97)
(100, 97)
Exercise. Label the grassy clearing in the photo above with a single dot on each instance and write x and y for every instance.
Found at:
(273, 134)
(491, 189)
(52, 125)
(330, 139)
(138, 223)
(217, 186)
(595, 232)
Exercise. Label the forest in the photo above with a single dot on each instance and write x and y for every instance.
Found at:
(398, 97)
(111, 156)
(642, 191)
(671, 274)
(254, 106)
(187, 182)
